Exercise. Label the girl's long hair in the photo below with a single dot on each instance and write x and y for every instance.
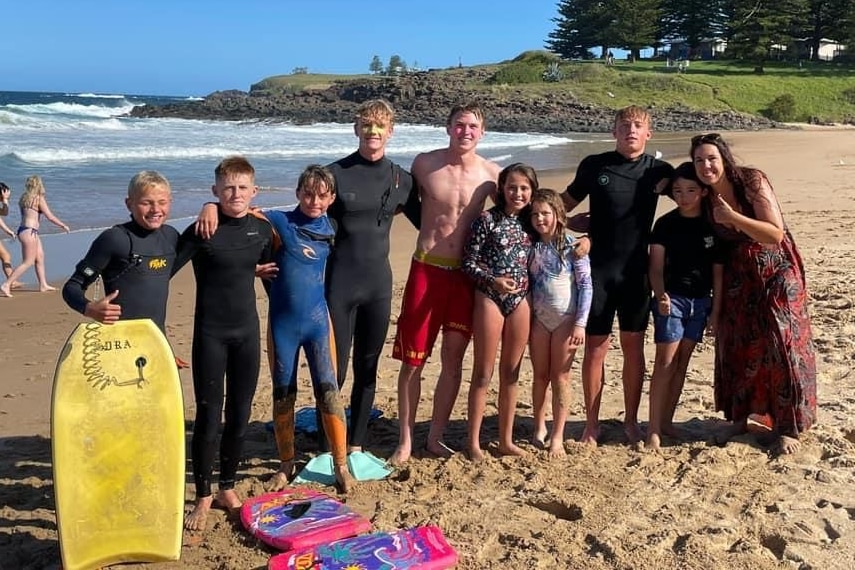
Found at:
(518, 168)
(552, 199)
(33, 190)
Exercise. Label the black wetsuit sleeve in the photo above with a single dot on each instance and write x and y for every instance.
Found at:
(581, 185)
(111, 244)
(188, 245)
(413, 206)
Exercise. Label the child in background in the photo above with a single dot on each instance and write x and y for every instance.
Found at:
(33, 205)
(561, 293)
(496, 258)
(685, 266)
(299, 317)
(226, 333)
(5, 256)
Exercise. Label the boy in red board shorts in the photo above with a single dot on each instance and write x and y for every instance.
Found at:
(454, 183)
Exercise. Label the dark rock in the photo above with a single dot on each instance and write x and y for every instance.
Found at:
(426, 98)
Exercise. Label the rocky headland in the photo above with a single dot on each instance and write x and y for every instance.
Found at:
(426, 97)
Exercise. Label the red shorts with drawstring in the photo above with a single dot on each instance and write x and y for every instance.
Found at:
(435, 297)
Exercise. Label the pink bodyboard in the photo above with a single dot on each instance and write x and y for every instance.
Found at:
(300, 518)
(420, 548)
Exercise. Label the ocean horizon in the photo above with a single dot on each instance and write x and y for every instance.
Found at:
(86, 149)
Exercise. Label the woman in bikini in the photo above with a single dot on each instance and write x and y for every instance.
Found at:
(33, 205)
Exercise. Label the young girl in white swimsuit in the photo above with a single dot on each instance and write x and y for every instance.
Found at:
(561, 295)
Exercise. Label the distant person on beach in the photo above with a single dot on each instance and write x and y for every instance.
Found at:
(496, 259)
(561, 291)
(454, 183)
(765, 366)
(33, 205)
(685, 268)
(134, 260)
(299, 318)
(5, 256)
(623, 186)
(226, 332)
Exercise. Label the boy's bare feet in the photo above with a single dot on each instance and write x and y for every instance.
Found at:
(539, 438)
(46, 288)
(475, 454)
(632, 432)
(439, 450)
(556, 447)
(788, 444)
(590, 436)
(653, 442)
(281, 478)
(511, 449)
(198, 517)
(401, 455)
(345, 480)
(227, 500)
(5, 291)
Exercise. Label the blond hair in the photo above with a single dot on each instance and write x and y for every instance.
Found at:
(144, 180)
(632, 113)
(34, 189)
(376, 111)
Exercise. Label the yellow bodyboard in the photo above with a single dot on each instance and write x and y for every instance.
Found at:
(117, 433)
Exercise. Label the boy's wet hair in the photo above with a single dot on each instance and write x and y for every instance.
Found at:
(632, 113)
(471, 107)
(313, 177)
(377, 112)
(685, 171)
(144, 180)
(233, 165)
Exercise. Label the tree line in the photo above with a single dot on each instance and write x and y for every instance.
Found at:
(752, 28)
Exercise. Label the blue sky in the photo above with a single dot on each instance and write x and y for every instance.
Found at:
(194, 47)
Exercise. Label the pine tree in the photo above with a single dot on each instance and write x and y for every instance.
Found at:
(376, 65)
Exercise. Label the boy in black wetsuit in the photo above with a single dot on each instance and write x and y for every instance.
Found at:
(371, 190)
(623, 186)
(226, 337)
(135, 260)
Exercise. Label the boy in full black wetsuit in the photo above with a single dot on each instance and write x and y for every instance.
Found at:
(371, 190)
(135, 260)
(623, 186)
(226, 340)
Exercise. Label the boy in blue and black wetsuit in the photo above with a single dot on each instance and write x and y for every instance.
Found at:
(226, 337)
(299, 318)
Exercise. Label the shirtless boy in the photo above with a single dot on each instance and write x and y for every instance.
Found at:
(623, 186)
(454, 183)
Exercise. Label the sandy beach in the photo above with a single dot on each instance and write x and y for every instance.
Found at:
(694, 505)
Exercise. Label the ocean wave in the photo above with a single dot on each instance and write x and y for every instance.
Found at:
(71, 109)
(95, 96)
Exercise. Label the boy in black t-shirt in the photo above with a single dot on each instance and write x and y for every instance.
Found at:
(685, 266)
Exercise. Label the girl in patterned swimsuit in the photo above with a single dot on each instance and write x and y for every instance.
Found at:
(561, 293)
(496, 258)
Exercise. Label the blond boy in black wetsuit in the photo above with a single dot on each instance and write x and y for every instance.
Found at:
(623, 186)
(226, 336)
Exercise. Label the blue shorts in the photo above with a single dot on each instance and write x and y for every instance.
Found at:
(688, 319)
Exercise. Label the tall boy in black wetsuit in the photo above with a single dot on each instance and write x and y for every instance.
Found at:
(135, 260)
(623, 186)
(226, 337)
(371, 190)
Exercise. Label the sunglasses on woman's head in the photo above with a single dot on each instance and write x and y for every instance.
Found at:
(709, 138)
